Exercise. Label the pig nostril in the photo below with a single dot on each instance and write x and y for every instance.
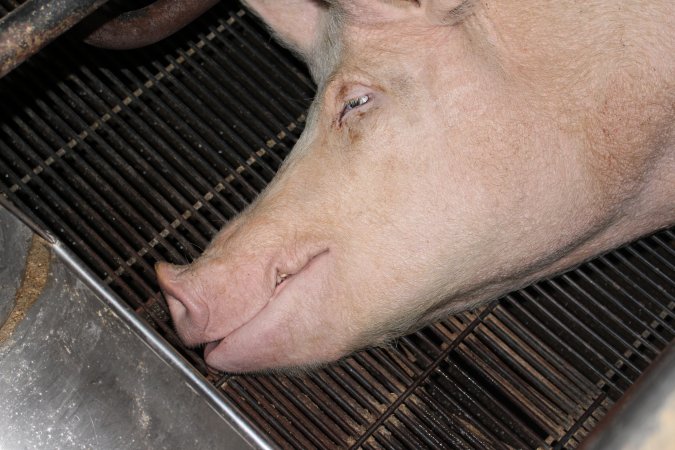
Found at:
(176, 307)
(189, 312)
(172, 290)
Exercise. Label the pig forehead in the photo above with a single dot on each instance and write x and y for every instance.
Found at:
(374, 11)
(380, 33)
(377, 54)
(386, 11)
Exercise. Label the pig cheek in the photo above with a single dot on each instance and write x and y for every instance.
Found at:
(354, 127)
(355, 136)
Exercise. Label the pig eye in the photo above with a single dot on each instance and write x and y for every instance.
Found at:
(353, 104)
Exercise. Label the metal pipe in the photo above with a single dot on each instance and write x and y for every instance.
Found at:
(34, 24)
(644, 418)
(147, 25)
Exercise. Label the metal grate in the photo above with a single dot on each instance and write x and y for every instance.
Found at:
(133, 157)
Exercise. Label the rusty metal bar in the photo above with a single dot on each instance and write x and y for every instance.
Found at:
(145, 26)
(34, 24)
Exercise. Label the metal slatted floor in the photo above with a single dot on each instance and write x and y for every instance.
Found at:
(134, 157)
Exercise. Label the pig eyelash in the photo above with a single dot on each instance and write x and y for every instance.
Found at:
(354, 103)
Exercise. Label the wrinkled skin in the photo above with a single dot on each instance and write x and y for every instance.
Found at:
(498, 142)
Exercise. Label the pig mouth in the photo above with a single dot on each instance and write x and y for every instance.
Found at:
(284, 278)
(285, 281)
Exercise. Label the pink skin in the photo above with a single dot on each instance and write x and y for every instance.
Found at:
(455, 151)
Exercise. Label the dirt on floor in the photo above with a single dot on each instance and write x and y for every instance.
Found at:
(34, 280)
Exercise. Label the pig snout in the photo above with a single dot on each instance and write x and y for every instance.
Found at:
(456, 150)
(189, 312)
(251, 308)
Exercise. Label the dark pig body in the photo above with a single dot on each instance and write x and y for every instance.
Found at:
(456, 150)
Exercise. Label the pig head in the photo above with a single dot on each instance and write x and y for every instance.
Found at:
(455, 150)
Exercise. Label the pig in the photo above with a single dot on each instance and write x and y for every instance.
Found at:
(456, 150)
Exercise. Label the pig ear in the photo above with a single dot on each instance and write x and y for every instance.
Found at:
(295, 23)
